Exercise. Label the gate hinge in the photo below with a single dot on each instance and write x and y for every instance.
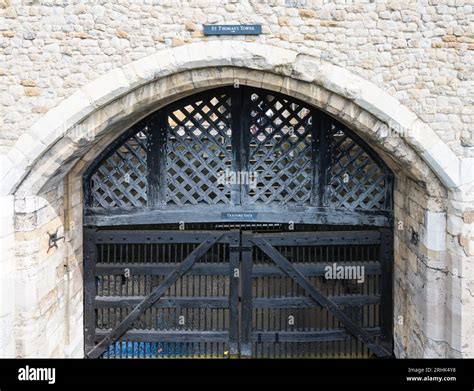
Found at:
(240, 248)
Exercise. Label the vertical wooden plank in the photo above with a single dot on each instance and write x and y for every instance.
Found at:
(245, 137)
(234, 281)
(236, 141)
(315, 156)
(87, 191)
(323, 134)
(246, 296)
(386, 287)
(90, 259)
(156, 159)
(389, 189)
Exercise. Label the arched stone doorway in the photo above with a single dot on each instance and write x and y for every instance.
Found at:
(301, 211)
(43, 181)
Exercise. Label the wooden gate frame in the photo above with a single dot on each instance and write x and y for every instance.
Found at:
(241, 244)
(264, 242)
(206, 239)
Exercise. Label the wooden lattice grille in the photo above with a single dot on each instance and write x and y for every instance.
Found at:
(199, 150)
(280, 150)
(120, 181)
(355, 180)
(294, 156)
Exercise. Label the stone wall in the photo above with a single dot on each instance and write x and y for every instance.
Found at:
(419, 51)
(53, 53)
(7, 277)
(420, 272)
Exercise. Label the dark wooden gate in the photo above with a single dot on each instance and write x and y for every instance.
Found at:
(180, 261)
(290, 308)
(236, 293)
(161, 293)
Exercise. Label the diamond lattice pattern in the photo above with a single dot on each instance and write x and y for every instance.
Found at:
(278, 135)
(120, 180)
(355, 180)
(199, 152)
(280, 150)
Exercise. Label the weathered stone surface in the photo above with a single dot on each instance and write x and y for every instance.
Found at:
(332, 30)
(468, 216)
(32, 91)
(402, 80)
(121, 34)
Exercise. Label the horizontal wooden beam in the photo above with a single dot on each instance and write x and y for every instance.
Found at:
(326, 238)
(135, 335)
(167, 335)
(164, 302)
(323, 238)
(154, 269)
(162, 237)
(223, 302)
(302, 302)
(222, 269)
(314, 269)
(260, 214)
(308, 336)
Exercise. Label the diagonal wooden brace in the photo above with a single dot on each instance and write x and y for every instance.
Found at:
(148, 301)
(318, 297)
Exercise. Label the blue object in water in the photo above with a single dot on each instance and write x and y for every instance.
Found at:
(145, 350)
